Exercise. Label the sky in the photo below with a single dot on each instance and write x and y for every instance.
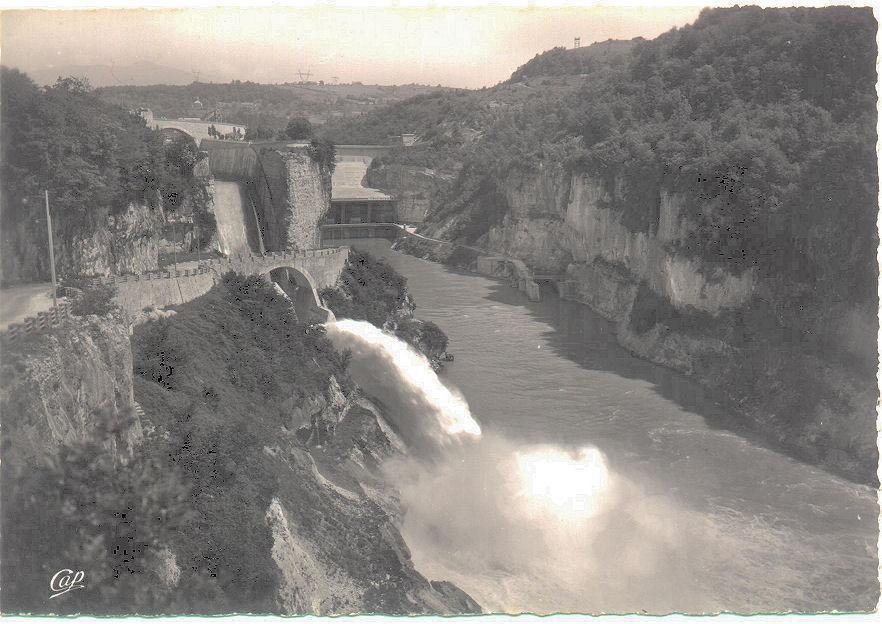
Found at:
(459, 47)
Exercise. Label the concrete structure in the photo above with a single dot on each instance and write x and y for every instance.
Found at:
(403, 140)
(291, 193)
(310, 270)
(351, 201)
(338, 234)
(195, 127)
(231, 160)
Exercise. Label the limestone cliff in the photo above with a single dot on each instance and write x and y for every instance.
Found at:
(732, 331)
(412, 186)
(127, 242)
(53, 383)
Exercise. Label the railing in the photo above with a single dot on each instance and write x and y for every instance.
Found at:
(42, 322)
(205, 266)
(57, 315)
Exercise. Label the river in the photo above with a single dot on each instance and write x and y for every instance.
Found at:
(703, 519)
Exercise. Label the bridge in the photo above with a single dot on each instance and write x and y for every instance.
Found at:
(309, 270)
(196, 128)
(486, 262)
(339, 233)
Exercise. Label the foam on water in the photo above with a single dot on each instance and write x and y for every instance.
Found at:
(424, 410)
(552, 527)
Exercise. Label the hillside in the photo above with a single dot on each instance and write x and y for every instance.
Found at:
(140, 73)
(246, 480)
(262, 106)
(562, 61)
(713, 191)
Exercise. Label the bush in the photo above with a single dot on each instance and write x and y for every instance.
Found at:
(91, 507)
(95, 299)
(158, 353)
(368, 290)
(324, 153)
(425, 336)
(299, 129)
(248, 362)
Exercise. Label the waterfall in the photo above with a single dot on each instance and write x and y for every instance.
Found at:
(519, 526)
(427, 414)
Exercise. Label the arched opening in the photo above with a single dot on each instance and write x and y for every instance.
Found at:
(300, 289)
(170, 133)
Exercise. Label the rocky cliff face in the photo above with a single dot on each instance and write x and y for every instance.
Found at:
(412, 186)
(294, 195)
(334, 541)
(53, 384)
(727, 329)
(127, 242)
(325, 535)
(334, 523)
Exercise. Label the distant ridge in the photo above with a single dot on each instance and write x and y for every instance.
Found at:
(139, 73)
(562, 61)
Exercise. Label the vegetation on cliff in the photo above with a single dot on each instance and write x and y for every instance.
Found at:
(88, 508)
(95, 159)
(368, 289)
(209, 499)
(756, 117)
(198, 485)
(371, 290)
(759, 126)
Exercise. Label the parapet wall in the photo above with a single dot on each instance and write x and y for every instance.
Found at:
(321, 267)
(158, 290)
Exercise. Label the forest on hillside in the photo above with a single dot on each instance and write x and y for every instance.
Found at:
(267, 107)
(764, 119)
(95, 158)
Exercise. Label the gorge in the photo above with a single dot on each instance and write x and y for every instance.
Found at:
(721, 216)
(247, 400)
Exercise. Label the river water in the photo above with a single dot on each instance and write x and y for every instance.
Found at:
(697, 517)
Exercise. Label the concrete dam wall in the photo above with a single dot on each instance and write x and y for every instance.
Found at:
(231, 160)
(292, 192)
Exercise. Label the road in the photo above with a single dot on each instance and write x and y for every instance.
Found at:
(20, 302)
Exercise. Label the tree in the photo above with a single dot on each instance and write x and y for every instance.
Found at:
(299, 129)
(91, 506)
(259, 133)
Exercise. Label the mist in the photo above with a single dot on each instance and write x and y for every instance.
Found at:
(539, 527)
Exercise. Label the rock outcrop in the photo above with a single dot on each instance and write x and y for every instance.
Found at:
(128, 242)
(294, 193)
(53, 383)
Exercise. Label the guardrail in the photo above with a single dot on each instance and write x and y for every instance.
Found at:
(57, 315)
(43, 321)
